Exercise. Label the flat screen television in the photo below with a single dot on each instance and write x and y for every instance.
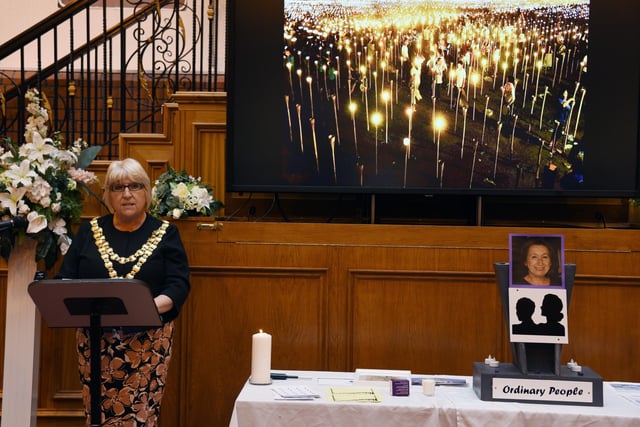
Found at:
(478, 97)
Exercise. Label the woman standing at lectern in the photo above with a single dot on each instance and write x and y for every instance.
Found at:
(129, 243)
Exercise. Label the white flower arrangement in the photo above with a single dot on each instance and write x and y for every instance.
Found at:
(41, 181)
(179, 195)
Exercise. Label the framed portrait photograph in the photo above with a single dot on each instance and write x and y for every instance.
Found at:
(536, 260)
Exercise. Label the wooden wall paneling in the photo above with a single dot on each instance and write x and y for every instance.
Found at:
(339, 297)
(172, 399)
(226, 307)
(370, 282)
(209, 141)
(604, 326)
(603, 261)
(154, 152)
(429, 322)
(339, 261)
(196, 109)
(408, 236)
(59, 387)
(154, 147)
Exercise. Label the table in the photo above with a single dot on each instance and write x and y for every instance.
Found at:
(450, 406)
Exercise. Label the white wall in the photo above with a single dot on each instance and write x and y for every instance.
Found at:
(18, 15)
(14, 19)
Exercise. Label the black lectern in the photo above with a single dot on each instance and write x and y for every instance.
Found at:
(95, 303)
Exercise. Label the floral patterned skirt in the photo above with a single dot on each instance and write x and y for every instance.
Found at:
(134, 372)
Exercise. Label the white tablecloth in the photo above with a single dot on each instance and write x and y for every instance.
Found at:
(257, 406)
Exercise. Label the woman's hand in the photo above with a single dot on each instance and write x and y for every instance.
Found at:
(163, 303)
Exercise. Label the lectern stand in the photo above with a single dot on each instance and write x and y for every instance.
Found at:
(95, 303)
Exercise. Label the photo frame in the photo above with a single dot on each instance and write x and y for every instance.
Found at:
(537, 293)
(536, 260)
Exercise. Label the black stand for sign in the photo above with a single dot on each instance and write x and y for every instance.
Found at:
(95, 303)
(536, 366)
(533, 357)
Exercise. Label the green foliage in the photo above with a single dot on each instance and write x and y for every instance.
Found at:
(180, 195)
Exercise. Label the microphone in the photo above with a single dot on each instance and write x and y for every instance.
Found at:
(600, 217)
(15, 222)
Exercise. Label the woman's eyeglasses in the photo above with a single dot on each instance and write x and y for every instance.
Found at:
(119, 188)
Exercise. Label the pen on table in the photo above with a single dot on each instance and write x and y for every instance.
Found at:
(279, 376)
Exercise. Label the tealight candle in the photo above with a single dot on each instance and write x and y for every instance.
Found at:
(571, 364)
(428, 386)
(489, 359)
(261, 358)
(494, 363)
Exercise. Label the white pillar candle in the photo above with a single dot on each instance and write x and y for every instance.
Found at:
(261, 358)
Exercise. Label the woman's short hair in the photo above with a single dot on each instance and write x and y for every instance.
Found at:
(126, 170)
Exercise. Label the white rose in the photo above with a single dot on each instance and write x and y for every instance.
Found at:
(59, 226)
(181, 191)
(45, 202)
(23, 208)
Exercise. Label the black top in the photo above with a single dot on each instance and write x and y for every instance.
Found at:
(166, 271)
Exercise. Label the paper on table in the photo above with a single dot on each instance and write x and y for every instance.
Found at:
(295, 392)
(630, 391)
(335, 381)
(354, 394)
